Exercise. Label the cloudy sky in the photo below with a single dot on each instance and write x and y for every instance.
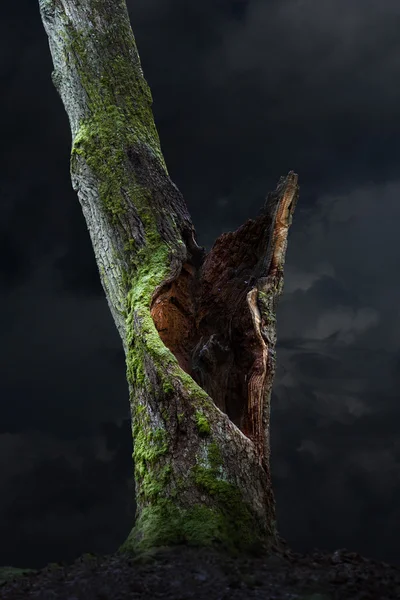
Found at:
(244, 91)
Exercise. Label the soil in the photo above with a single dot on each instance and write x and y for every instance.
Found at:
(182, 573)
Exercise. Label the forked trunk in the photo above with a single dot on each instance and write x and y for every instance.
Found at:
(198, 330)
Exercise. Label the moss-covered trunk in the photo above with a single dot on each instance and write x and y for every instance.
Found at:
(198, 330)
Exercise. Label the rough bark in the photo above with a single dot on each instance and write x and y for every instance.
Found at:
(198, 330)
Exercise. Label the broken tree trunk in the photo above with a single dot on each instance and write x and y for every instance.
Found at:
(198, 330)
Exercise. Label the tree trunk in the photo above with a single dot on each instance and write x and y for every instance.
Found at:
(198, 330)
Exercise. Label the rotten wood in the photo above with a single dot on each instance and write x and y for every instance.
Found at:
(220, 320)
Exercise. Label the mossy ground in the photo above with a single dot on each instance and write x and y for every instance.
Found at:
(7, 573)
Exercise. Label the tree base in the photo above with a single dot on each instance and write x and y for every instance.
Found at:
(164, 524)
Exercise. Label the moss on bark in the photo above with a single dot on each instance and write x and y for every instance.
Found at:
(165, 523)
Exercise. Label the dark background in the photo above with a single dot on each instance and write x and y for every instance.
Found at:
(244, 91)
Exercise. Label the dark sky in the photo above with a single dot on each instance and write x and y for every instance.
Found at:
(244, 91)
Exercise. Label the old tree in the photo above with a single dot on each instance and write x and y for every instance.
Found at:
(198, 329)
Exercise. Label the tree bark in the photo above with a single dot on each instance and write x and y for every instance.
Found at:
(198, 330)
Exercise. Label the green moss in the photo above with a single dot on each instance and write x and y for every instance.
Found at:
(164, 524)
(153, 483)
(168, 388)
(150, 444)
(203, 425)
(238, 520)
(195, 391)
(119, 115)
(228, 523)
(154, 270)
(130, 245)
(214, 456)
(9, 573)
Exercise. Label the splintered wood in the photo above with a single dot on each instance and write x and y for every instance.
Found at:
(219, 318)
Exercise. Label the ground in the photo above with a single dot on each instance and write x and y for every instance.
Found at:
(182, 573)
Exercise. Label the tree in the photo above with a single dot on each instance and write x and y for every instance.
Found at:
(198, 329)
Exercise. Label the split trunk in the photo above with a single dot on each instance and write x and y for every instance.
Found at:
(198, 329)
